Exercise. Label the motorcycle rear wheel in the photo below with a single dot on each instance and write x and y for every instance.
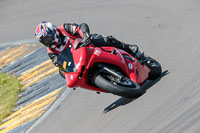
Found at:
(127, 88)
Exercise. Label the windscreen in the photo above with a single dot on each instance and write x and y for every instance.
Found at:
(65, 61)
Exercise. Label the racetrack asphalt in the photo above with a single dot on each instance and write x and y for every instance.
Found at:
(166, 30)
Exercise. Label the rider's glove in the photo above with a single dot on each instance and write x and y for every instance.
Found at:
(86, 40)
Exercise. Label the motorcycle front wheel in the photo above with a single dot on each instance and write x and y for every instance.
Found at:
(124, 87)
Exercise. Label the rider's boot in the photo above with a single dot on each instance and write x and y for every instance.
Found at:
(139, 55)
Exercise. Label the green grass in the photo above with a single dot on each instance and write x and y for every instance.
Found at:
(10, 87)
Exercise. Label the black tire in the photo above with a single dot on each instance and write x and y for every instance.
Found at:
(155, 68)
(124, 91)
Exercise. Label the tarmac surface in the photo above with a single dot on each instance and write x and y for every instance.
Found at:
(167, 30)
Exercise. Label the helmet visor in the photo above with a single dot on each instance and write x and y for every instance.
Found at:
(49, 39)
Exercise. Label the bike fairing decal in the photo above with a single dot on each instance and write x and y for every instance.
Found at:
(130, 66)
(123, 61)
(69, 63)
(71, 77)
(79, 63)
(64, 64)
(97, 52)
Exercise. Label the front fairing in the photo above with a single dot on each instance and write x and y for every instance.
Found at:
(73, 62)
(76, 64)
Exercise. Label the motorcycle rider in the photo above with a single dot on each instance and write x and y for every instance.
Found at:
(56, 39)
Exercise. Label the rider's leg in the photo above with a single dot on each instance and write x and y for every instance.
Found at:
(131, 49)
(99, 41)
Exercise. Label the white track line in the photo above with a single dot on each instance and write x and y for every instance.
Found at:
(53, 107)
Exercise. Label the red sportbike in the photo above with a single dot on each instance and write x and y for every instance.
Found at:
(106, 69)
